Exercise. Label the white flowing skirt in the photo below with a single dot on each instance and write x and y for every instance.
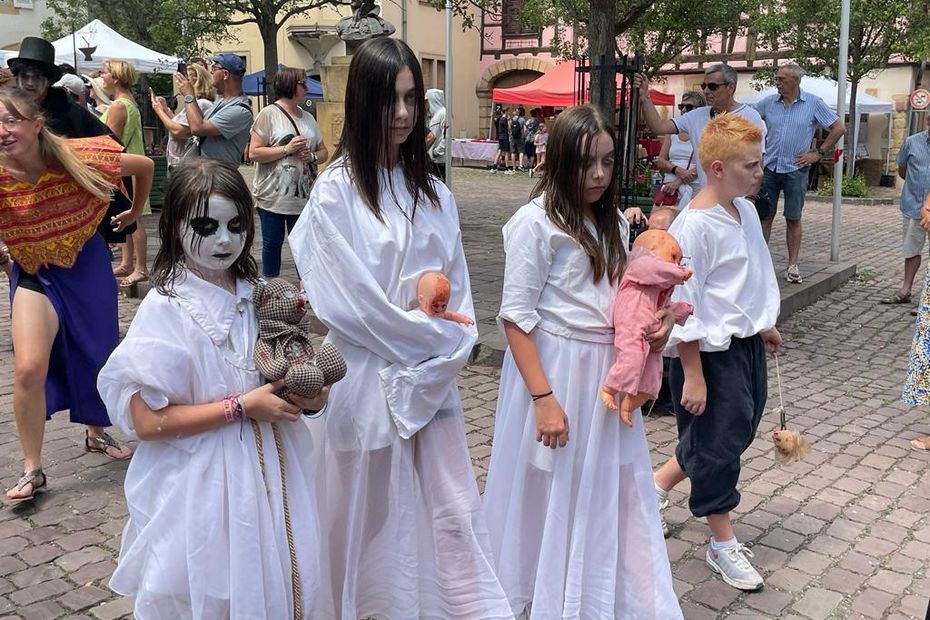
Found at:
(206, 536)
(575, 531)
(402, 529)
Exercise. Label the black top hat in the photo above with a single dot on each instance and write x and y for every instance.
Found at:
(37, 52)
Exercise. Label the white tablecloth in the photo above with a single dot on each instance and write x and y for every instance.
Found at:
(474, 149)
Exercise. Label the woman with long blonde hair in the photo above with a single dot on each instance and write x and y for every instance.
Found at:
(124, 120)
(179, 131)
(53, 194)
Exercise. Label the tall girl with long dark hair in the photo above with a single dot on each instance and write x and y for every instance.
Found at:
(398, 500)
(569, 502)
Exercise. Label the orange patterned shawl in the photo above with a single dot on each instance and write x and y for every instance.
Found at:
(49, 222)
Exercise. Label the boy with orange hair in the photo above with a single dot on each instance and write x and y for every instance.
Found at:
(718, 374)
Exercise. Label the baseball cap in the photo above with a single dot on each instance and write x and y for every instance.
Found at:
(72, 84)
(229, 61)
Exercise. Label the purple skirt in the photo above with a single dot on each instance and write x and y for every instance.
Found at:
(85, 300)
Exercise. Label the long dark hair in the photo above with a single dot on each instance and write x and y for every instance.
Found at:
(187, 197)
(570, 149)
(369, 109)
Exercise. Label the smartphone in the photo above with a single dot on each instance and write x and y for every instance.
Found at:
(182, 68)
(284, 140)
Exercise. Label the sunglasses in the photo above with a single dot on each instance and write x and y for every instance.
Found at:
(712, 86)
(685, 107)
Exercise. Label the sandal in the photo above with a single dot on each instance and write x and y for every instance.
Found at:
(103, 445)
(897, 298)
(134, 278)
(121, 271)
(30, 477)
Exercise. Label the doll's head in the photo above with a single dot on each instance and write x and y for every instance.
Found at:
(206, 224)
(433, 291)
(661, 218)
(661, 244)
(789, 446)
(277, 299)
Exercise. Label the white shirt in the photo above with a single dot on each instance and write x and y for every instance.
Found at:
(694, 122)
(361, 275)
(733, 290)
(549, 281)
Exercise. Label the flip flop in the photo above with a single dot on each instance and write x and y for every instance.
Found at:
(30, 477)
(134, 278)
(103, 445)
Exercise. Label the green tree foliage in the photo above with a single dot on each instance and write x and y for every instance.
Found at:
(878, 31)
(168, 26)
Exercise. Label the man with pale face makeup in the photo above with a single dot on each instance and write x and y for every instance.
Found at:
(718, 87)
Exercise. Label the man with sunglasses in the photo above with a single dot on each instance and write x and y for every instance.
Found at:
(719, 86)
(223, 130)
(792, 115)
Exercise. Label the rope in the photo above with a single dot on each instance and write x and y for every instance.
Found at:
(291, 549)
(781, 402)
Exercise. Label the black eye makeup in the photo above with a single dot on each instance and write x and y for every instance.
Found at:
(235, 226)
(204, 226)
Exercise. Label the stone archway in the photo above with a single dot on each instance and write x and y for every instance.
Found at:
(495, 72)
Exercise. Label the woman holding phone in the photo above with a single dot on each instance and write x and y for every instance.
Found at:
(179, 132)
(286, 144)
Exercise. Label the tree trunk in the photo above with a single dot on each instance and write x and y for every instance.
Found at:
(602, 45)
(269, 32)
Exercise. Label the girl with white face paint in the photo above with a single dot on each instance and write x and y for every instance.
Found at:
(221, 469)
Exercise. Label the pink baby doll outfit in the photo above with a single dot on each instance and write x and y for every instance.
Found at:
(645, 289)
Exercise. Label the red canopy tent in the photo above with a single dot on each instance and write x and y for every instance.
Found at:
(557, 89)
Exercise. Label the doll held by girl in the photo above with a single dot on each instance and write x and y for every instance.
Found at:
(646, 288)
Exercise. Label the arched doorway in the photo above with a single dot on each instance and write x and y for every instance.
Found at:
(505, 74)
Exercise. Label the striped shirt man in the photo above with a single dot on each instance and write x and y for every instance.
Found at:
(914, 161)
(791, 128)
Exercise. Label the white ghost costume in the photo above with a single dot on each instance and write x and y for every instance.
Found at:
(400, 509)
(206, 536)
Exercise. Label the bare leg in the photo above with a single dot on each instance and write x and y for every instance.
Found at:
(767, 227)
(720, 527)
(669, 475)
(138, 242)
(793, 237)
(911, 265)
(125, 258)
(35, 325)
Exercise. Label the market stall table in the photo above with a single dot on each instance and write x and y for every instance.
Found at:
(479, 150)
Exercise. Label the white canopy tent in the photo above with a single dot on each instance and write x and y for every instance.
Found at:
(6, 55)
(826, 89)
(107, 43)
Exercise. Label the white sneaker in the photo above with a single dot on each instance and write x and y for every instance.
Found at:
(793, 274)
(731, 564)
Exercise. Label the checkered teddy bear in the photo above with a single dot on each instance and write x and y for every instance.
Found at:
(284, 350)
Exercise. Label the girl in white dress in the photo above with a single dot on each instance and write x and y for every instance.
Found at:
(400, 510)
(569, 501)
(222, 509)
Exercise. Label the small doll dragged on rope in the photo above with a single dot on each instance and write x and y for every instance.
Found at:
(433, 292)
(284, 349)
(646, 288)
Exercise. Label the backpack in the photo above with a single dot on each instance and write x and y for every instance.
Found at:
(532, 127)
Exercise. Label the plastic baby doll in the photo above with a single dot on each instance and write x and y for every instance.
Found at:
(645, 289)
(433, 292)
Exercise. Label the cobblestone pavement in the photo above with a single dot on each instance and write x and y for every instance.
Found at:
(843, 534)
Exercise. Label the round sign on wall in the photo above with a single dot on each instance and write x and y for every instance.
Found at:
(920, 98)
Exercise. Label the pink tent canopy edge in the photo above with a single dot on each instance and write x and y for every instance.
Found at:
(557, 88)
